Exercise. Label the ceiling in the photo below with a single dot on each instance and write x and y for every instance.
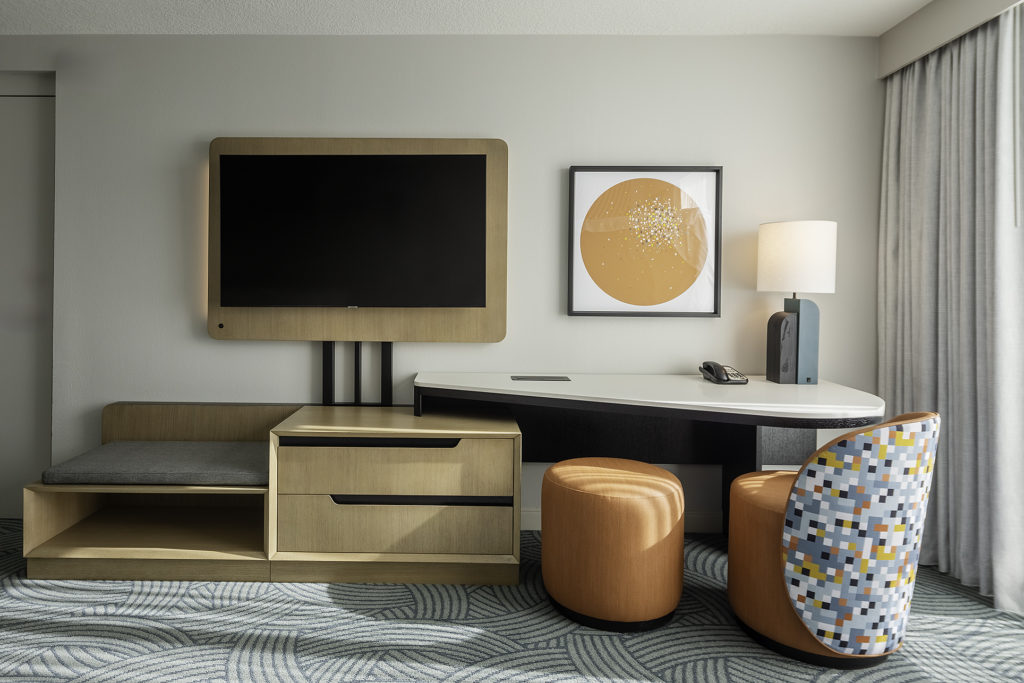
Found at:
(440, 17)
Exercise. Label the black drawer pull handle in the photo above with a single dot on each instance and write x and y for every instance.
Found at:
(481, 501)
(366, 442)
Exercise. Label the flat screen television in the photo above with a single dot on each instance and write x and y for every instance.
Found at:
(358, 239)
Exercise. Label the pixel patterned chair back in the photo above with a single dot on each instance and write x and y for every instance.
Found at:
(851, 523)
(852, 534)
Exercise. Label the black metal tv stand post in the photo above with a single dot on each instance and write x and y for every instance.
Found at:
(386, 375)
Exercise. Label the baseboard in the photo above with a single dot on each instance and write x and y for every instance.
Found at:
(695, 522)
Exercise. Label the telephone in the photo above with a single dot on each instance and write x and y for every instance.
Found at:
(721, 374)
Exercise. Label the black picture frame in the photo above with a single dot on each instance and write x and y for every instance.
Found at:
(640, 237)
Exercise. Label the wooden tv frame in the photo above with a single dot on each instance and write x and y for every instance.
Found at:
(485, 324)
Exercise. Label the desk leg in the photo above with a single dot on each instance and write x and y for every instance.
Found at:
(733, 447)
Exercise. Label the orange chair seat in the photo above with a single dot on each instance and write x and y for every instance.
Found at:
(757, 511)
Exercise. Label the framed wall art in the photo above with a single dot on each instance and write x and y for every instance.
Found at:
(645, 240)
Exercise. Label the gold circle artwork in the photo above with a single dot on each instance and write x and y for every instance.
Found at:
(644, 241)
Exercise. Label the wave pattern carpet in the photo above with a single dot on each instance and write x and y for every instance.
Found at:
(214, 631)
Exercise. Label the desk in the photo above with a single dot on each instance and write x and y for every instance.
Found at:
(658, 418)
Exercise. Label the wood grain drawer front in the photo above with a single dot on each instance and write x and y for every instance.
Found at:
(318, 524)
(474, 467)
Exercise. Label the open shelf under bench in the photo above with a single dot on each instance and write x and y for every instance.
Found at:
(162, 533)
(166, 532)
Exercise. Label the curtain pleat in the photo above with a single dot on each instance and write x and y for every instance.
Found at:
(1006, 326)
(950, 294)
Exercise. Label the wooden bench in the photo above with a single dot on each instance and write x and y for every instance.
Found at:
(115, 517)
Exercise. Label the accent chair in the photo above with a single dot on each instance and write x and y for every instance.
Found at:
(822, 561)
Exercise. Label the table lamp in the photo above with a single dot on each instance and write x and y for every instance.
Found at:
(795, 256)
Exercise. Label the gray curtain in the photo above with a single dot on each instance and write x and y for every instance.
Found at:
(951, 295)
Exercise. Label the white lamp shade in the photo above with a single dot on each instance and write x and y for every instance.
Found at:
(797, 256)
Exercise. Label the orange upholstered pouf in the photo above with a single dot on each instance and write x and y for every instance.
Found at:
(612, 542)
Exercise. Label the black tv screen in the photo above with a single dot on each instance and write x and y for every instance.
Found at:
(353, 230)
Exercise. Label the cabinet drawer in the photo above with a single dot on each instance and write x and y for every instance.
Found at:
(473, 467)
(318, 524)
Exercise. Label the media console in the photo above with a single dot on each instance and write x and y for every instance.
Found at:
(352, 494)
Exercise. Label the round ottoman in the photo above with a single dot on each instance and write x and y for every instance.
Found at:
(612, 542)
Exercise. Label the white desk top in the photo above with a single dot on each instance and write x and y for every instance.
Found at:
(759, 397)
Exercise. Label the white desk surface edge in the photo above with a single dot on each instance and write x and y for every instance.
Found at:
(825, 400)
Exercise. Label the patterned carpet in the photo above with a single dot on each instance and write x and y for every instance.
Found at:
(198, 631)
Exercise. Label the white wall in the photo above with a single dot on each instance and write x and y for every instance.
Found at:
(795, 122)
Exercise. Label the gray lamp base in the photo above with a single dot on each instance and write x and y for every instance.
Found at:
(806, 339)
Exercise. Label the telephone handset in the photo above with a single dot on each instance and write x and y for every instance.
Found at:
(721, 374)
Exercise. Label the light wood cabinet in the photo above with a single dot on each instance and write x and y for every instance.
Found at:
(377, 494)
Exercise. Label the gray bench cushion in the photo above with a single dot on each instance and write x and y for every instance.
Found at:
(196, 463)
